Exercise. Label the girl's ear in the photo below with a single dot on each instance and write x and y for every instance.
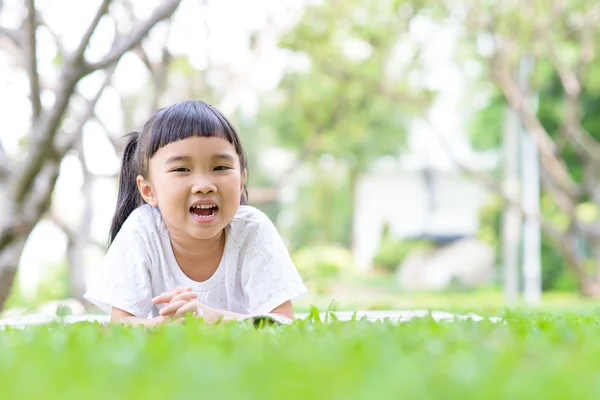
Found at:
(146, 191)
(243, 181)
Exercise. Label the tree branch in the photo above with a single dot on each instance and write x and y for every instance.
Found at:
(570, 79)
(143, 56)
(45, 128)
(4, 171)
(30, 25)
(12, 35)
(57, 39)
(114, 140)
(164, 11)
(39, 197)
(77, 57)
(88, 114)
(560, 198)
(587, 41)
(158, 71)
(547, 148)
(492, 185)
(561, 238)
(71, 234)
(81, 236)
(38, 201)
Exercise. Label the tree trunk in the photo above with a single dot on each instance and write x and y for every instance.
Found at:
(9, 263)
(20, 219)
(82, 237)
(26, 189)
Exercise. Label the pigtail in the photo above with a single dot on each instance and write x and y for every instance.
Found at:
(128, 198)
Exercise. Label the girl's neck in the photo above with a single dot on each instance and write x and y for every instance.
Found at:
(189, 251)
(194, 248)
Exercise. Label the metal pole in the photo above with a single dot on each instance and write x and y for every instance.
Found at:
(532, 270)
(511, 218)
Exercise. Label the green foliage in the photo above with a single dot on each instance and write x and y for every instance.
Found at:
(352, 100)
(318, 262)
(558, 41)
(54, 285)
(490, 223)
(346, 98)
(555, 276)
(532, 355)
(322, 211)
(392, 252)
(485, 125)
(322, 266)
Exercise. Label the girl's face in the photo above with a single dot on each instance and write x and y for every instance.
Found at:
(197, 183)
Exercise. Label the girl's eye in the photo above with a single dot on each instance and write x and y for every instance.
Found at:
(182, 169)
(221, 168)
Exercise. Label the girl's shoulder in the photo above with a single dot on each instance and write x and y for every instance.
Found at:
(250, 224)
(250, 218)
(144, 221)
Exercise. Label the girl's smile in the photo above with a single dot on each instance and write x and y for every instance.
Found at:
(204, 211)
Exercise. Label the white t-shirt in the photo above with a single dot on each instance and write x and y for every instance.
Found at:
(255, 275)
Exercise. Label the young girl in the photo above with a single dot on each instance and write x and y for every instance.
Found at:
(182, 240)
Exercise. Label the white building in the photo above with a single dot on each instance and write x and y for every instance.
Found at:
(413, 203)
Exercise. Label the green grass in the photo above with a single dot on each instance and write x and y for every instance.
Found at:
(483, 302)
(533, 355)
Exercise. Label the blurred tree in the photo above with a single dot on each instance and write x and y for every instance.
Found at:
(321, 213)
(347, 94)
(26, 183)
(561, 37)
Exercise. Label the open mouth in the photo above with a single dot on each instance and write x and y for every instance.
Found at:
(204, 211)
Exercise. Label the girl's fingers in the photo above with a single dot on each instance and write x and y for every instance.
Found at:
(181, 289)
(161, 298)
(166, 297)
(185, 296)
(190, 307)
(172, 307)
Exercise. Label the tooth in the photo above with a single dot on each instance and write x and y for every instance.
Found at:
(205, 206)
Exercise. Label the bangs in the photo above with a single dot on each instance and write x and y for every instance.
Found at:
(187, 119)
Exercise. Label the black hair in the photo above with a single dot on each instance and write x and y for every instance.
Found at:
(167, 125)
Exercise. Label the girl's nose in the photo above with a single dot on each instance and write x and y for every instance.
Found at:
(203, 184)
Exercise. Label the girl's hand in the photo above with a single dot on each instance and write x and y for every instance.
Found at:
(178, 309)
(177, 302)
(181, 305)
(182, 301)
(167, 297)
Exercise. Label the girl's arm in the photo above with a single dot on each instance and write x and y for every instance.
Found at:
(213, 314)
(122, 316)
(185, 303)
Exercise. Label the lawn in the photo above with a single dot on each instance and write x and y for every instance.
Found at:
(484, 302)
(532, 355)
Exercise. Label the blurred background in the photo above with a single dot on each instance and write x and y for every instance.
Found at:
(412, 154)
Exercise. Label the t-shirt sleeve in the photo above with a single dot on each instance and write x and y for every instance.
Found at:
(269, 275)
(122, 280)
